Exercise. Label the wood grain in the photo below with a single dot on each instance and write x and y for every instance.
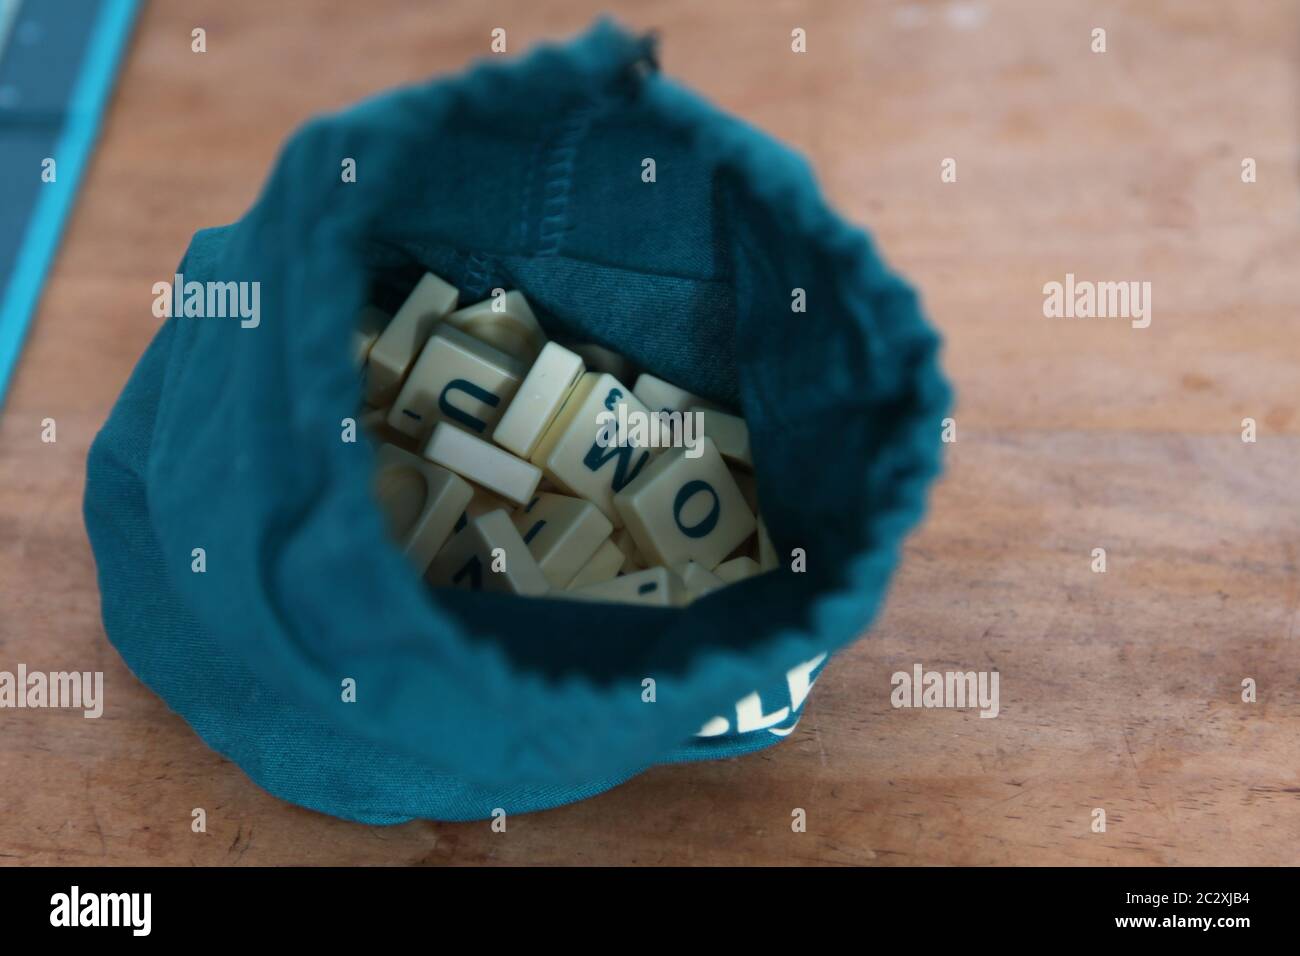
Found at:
(1119, 690)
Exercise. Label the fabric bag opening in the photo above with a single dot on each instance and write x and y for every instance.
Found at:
(526, 175)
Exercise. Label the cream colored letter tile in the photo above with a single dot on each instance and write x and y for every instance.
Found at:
(456, 379)
(421, 500)
(737, 569)
(482, 502)
(372, 419)
(581, 451)
(656, 586)
(698, 580)
(488, 556)
(538, 400)
(562, 533)
(729, 433)
(396, 348)
(686, 509)
(597, 358)
(661, 396)
(371, 322)
(632, 559)
(603, 566)
(482, 463)
(505, 322)
(374, 425)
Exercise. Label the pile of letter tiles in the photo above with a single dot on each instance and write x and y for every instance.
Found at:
(507, 462)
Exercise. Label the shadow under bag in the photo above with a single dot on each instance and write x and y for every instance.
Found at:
(523, 175)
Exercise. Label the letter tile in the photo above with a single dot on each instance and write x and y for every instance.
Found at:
(562, 533)
(538, 400)
(729, 433)
(421, 501)
(456, 379)
(513, 329)
(686, 509)
(737, 569)
(654, 586)
(468, 560)
(396, 348)
(584, 451)
(482, 463)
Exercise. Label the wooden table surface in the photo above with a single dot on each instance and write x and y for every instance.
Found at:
(1119, 691)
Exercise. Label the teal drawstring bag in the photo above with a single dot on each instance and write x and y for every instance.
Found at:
(246, 572)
